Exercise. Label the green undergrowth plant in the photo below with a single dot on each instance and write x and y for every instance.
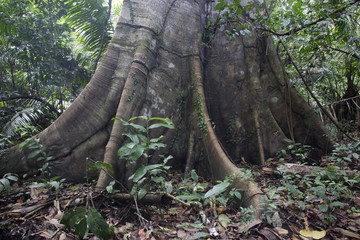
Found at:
(345, 154)
(297, 151)
(195, 192)
(34, 147)
(5, 182)
(35, 151)
(148, 177)
(270, 204)
(85, 220)
(326, 190)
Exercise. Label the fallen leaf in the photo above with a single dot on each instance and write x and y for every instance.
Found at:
(250, 225)
(268, 234)
(276, 220)
(181, 234)
(349, 234)
(268, 170)
(224, 220)
(62, 236)
(282, 232)
(354, 215)
(313, 234)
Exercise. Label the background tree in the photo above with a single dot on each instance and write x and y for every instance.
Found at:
(49, 50)
(323, 39)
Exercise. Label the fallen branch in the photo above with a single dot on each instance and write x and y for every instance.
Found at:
(150, 198)
(292, 168)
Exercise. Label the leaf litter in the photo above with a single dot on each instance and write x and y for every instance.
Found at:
(36, 214)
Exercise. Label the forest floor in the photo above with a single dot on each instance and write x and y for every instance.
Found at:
(323, 204)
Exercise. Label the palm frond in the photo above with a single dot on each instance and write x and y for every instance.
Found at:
(87, 18)
(33, 112)
(22, 119)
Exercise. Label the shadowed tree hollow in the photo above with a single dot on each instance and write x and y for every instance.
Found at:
(229, 100)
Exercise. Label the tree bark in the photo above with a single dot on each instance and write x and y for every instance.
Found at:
(232, 97)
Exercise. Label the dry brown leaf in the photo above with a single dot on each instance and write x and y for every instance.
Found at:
(349, 234)
(268, 170)
(282, 232)
(354, 215)
(62, 236)
(181, 234)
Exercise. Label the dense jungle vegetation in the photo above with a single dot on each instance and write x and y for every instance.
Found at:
(50, 49)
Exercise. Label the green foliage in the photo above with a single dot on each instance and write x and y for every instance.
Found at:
(40, 72)
(87, 19)
(270, 204)
(5, 185)
(139, 148)
(328, 188)
(151, 178)
(86, 220)
(321, 38)
(34, 149)
(194, 192)
(344, 154)
(140, 143)
(202, 123)
(297, 151)
(50, 184)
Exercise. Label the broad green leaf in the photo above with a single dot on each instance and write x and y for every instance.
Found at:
(194, 176)
(238, 194)
(82, 229)
(55, 184)
(12, 177)
(133, 136)
(337, 204)
(158, 179)
(107, 166)
(156, 125)
(34, 153)
(97, 224)
(332, 168)
(139, 173)
(217, 189)
(166, 120)
(36, 185)
(134, 125)
(323, 207)
(72, 217)
(143, 138)
(156, 146)
(138, 151)
(141, 117)
(292, 189)
(138, 127)
(153, 140)
(152, 166)
(5, 183)
(142, 192)
(189, 197)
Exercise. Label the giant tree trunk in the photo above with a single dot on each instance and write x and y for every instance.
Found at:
(229, 100)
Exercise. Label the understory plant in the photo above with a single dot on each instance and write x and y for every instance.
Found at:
(140, 148)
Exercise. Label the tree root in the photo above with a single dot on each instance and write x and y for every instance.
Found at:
(219, 163)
